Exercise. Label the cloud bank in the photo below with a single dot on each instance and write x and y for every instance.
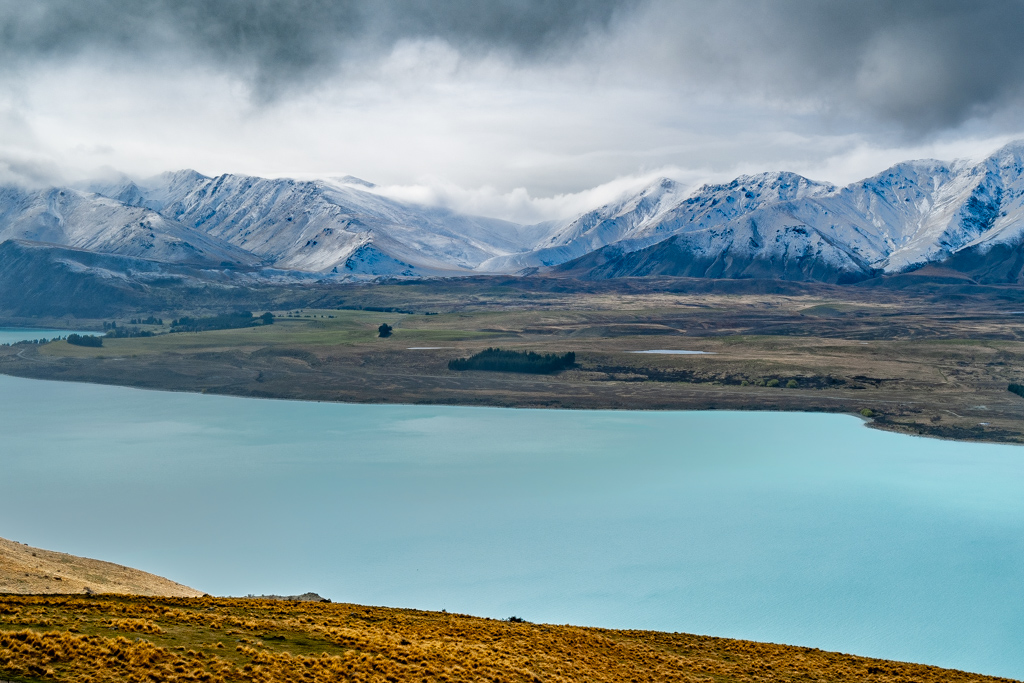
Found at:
(466, 102)
(276, 45)
(925, 63)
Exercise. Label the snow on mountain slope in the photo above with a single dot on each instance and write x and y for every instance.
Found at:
(905, 216)
(89, 221)
(909, 215)
(659, 211)
(771, 242)
(995, 210)
(775, 224)
(923, 211)
(319, 226)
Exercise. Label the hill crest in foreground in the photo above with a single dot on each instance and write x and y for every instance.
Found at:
(113, 638)
(119, 638)
(27, 570)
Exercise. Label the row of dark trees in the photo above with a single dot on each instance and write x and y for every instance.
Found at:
(84, 340)
(224, 321)
(127, 332)
(500, 360)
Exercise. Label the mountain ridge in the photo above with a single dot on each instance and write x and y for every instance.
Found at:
(775, 225)
(910, 215)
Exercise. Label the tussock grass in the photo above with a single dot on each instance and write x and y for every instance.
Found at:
(71, 638)
(134, 625)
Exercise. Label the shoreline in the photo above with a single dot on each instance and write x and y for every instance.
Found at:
(921, 367)
(869, 422)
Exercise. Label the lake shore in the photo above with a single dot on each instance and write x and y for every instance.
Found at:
(916, 365)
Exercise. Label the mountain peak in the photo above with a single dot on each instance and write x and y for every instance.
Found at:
(1009, 156)
(352, 180)
(182, 175)
(778, 185)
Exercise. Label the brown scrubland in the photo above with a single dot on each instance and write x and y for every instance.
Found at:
(95, 639)
(921, 362)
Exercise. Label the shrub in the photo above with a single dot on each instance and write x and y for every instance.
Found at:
(791, 384)
(84, 340)
(867, 412)
(384, 330)
(268, 318)
(772, 383)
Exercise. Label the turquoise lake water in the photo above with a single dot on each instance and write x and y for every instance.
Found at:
(796, 528)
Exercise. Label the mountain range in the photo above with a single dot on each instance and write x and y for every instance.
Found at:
(960, 216)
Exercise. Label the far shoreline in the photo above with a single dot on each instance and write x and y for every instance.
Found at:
(868, 422)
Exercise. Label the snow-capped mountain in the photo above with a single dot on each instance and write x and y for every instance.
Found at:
(769, 225)
(657, 212)
(909, 215)
(72, 218)
(329, 226)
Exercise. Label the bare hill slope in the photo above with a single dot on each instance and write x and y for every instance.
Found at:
(28, 570)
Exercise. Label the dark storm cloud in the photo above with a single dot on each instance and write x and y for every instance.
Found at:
(274, 42)
(926, 64)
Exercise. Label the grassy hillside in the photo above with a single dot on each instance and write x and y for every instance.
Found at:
(28, 570)
(93, 639)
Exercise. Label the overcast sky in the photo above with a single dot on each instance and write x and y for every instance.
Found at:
(524, 109)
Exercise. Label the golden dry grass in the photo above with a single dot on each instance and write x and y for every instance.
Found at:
(213, 640)
(27, 570)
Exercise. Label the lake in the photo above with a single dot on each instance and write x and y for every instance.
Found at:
(796, 528)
